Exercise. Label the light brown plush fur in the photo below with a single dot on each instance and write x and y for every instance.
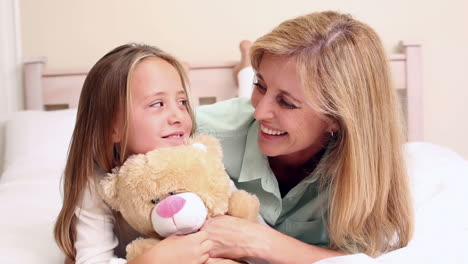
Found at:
(130, 188)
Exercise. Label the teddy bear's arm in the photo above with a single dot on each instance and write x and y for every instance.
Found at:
(244, 205)
(139, 246)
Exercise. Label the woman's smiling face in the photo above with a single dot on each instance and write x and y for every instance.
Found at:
(288, 126)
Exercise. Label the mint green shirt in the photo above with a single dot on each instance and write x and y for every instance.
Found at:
(299, 214)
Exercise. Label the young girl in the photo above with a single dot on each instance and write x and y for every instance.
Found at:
(133, 100)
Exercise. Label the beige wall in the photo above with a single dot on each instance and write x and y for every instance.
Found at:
(74, 34)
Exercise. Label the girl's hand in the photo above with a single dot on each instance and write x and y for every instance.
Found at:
(190, 249)
(235, 238)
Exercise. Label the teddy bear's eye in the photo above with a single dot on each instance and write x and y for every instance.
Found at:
(155, 201)
(172, 193)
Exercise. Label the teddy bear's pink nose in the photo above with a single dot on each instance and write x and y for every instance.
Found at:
(170, 206)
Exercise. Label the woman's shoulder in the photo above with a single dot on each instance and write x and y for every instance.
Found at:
(231, 116)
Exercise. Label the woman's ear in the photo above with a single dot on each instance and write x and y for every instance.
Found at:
(332, 126)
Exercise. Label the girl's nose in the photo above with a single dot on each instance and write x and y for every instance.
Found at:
(175, 116)
(170, 206)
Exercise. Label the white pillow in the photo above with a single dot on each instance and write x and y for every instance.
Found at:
(37, 140)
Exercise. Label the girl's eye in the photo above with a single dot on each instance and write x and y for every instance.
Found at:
(183, 102)
(157, 104)
(286, 104)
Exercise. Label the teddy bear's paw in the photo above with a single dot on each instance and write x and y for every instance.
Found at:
(138, 246)
(244, 205)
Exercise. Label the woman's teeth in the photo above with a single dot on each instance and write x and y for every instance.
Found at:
(174, 136)
(271, 132)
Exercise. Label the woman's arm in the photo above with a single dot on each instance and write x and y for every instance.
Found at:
(236, 238)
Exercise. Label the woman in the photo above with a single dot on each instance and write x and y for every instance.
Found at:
(320, 144)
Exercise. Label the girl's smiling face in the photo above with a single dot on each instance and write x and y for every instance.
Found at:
(158, 112)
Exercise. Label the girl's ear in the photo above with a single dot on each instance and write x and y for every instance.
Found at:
(116, 137)
(117, 128)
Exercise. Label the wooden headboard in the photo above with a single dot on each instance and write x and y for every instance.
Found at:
(210, 82)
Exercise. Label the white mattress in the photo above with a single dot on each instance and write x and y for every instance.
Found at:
(439, 178)
(29, 208)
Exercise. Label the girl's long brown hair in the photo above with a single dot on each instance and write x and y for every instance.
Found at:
(345, 73)
(105, 98)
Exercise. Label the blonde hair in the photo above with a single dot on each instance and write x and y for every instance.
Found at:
(346, 77)
(104, 99)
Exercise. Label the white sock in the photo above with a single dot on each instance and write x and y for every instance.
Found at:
(245, 78)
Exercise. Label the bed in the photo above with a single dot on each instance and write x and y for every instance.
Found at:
(37, 142)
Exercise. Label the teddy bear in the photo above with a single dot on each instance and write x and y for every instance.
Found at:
(173, 190)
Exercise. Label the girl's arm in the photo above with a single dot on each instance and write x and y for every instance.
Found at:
(94, 223)
(237, 238)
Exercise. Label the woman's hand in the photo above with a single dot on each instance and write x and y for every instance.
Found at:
(190, 249)
(235, 238)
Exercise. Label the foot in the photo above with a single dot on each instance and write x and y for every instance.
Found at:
(244, 48)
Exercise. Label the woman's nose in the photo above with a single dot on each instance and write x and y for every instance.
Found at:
(264, 109)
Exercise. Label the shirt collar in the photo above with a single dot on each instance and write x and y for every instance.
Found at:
(255, 163)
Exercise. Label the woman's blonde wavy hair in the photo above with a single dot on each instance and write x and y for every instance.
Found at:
(345, 74)
(104, 98)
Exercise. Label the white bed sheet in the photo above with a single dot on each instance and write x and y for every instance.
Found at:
(30, 199)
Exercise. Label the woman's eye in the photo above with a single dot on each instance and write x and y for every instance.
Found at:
(157, 104)
(260, 87)
(286, 104)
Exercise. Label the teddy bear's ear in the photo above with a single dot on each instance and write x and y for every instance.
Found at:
(210, 144)
(109, 190)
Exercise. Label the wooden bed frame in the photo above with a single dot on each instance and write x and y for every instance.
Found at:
(210, 82)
